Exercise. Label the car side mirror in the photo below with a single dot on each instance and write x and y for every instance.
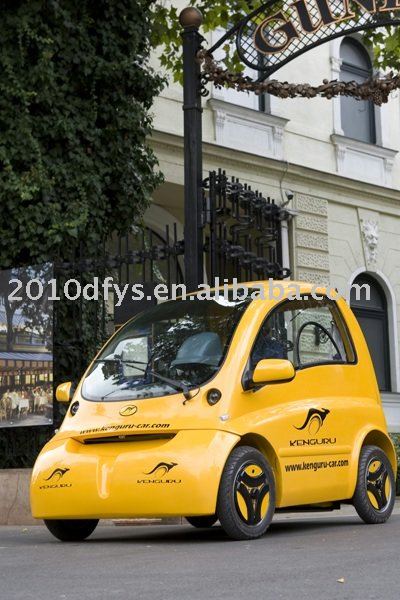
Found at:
(273, 370)
(65, 392)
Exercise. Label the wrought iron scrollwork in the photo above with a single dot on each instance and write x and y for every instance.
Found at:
(278, 31)
(243, 231)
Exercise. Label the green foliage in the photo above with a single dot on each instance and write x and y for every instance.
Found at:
(386, 44)
(75, 90)
(166, 30)
(75, 94)
(224, 14)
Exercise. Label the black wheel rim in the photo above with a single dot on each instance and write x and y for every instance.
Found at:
(252, 491)
(378, 484)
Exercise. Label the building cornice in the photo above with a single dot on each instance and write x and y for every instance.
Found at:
(337, 187)
(249, 114)
(253, 131)
(364, 147)
(358, 159)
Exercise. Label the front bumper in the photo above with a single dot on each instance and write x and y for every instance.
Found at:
(141, 478)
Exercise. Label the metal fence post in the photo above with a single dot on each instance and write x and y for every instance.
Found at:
(191, 19)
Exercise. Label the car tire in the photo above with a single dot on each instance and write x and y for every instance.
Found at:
(246, 496)
(71, 530)
(375, 491)
(202, 522)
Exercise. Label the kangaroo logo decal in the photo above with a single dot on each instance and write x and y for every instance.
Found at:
(57, 474)
(128, 411)
(162, 469)
(314, 420)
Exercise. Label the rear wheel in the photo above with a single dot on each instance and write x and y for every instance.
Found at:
(375, 492)
(71, 530)
(203, 521)
(246, 496)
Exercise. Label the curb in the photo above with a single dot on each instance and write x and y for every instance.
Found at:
(347, 510)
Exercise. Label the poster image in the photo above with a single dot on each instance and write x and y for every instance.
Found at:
(26, 341)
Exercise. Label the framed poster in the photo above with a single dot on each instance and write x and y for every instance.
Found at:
(26, 347)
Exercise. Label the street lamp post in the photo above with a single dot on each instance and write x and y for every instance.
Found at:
(190, 19)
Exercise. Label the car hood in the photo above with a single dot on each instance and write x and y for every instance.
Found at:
(148, 416)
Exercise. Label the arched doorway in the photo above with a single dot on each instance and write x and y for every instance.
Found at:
(372, 316)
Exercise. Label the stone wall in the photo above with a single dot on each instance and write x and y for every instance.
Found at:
(14, 497)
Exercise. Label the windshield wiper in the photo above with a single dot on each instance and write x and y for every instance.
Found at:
(119, 360)
(174, 383)
(178, 385)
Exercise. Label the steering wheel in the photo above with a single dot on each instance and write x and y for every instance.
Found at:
(325, 331)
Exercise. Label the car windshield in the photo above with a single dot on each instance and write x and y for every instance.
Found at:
(184, 341)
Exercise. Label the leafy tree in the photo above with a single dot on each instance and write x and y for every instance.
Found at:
(75, 94)
(75, 91)
(225, 13)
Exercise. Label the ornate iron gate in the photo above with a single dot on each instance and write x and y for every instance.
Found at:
(82, 326)
(242, 231)
(240, 238)
(141, 256)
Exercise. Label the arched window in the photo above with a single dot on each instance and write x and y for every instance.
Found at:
(358, 117)
(373, 319)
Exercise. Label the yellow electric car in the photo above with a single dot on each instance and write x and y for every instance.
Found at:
(226, 408)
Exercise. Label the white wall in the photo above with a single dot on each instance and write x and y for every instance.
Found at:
(306, 137)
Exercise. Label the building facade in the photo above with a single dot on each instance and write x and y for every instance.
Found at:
(335, 164)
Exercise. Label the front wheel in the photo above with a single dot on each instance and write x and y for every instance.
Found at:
(375, 491)
(246, 496)
(202, 522)
(71, 530)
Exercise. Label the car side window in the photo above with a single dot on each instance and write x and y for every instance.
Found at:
(307, 332)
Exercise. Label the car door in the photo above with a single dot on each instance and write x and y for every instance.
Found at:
(307, 420)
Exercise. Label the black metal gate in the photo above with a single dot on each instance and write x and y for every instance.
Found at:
(81, 326)
(240, 238)
(242, 231)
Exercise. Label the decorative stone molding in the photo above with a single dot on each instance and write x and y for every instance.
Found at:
(313, 241)
(314, 277)
(370, 238)
(336, 64)
(248, 130)
(366, 162)
(220, 117)
(389, 163)
(340, 156)
(311, 258)
(312, 223)
(310, 204)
